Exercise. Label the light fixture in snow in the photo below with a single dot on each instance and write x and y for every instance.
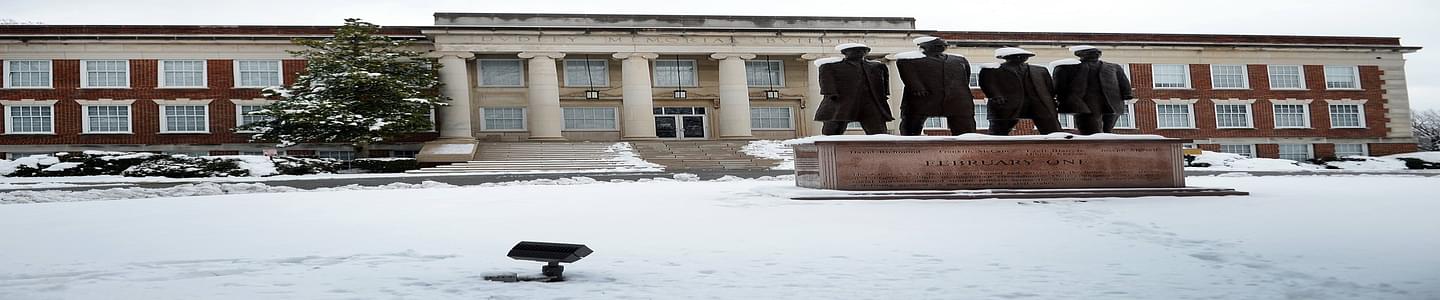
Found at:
(550, 253)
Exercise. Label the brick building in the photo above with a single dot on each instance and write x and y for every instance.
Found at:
(529, 77)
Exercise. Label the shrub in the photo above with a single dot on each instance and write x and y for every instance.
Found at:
(288, 165)
(1419, 164)
(385, 165)
(183, 166)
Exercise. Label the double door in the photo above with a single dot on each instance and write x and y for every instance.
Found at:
(680, 123)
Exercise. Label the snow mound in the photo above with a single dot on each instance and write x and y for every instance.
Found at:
(828, 60)
(33, 161)
(772, 149)
(626, 154)
(1230, 161)
(1367, 163)
(1431, 156)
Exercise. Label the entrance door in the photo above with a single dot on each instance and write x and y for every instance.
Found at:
(680, 122)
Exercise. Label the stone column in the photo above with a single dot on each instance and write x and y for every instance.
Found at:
(637, 107)
(544, 119)
(812, 95)
(455, 118)
(897, 88)
(734, 96)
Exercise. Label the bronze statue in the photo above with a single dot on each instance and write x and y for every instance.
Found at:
(1094, 90)
(1018, 90)
(855, 90)
(937, 84)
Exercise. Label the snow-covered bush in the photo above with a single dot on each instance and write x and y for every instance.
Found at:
(288, 165)
(92, 163)
(184, 166)
(1419, 160)
(385, 165)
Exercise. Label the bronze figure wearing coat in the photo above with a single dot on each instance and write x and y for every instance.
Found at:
(1092, 89)
(937, 84)
(1018, 90)
(855, 90)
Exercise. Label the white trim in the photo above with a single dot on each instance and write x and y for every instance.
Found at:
(1359, 112)
(789, 112)
(615, 112)
(204, 74)
(480, 72)
(655, 74)
(1190, 103)
(779, 80)
(164, 128)
(524, 119)
(5, 72)
(1189, 82)
(235, 71)
(1302, 103)
(85, 106)
(1270, 76)
(9, 122)
(565, 75)
(1244, 77)
(1346, 101)
(1249, 113)
(1355, 69)
(85, 74)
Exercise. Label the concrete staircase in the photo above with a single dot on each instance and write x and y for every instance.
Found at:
(528, 157)
(701, 155)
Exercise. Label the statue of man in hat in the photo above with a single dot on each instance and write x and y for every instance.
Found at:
(855, 90)
(1094, 90)
(937, 84)
(1018, 90)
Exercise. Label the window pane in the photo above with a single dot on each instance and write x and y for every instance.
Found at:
(1173, 116)
(501, 72)
(764, 73)
(1291, 115)
(1344, 150)
(982, 116)
(246, 117)
(575, 73)
(770, 118)
(1228, 76)
(185, 118)
(1232, 115)
(183, 72)
(975, 77)
(589, 118)
(1286, 77)
(109, 118)
(259, 73)
(336, 155)
(30, 119)
(504, 118)
(1296, 152)
(1171, 76)
(935, 122)
(107, 73)
(1345, 115)
(1246, 150)
(28, 73)
(1126, 119)
(1341, 77)
(670, 72)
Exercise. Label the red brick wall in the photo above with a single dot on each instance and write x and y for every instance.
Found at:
(1388, 149)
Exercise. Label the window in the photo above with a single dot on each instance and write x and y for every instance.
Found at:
(1227, 77)
(764, 73)
(1171, 76)
(1292, 116)
(107, 119)
(982, 116)
(1233, 116)
(18, 155)
(1248, 150)
(243, 116)
(590, 118)
(1346, 150)
(1296, 152)
(257, 153)
(1067, 121)
(184, 119)
(1126, 120)
(30, 119)
(1346, 116)
(1287, 78)
(770, 118)
(1174, 116)
(27, 74)
(975, 76)
(575, 73)
(1342, 77)
(182, 73)
(670, 72)
(404, 153)
(502, 118)
(501, 72)
(257, 73)
(105, 74)
(336, 155)
(935, 123)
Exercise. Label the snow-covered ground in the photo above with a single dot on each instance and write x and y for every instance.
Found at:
(772, 149)
(1296, 237)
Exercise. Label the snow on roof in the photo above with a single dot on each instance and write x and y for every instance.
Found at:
(842, 47)
(1064, 62)
(972, 137)
(917, 54)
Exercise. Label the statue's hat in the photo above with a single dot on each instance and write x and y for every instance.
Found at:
(927, 39)
(842, 47)
(1008, 51)
(1079, 48)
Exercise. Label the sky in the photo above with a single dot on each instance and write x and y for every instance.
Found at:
(1413, 21)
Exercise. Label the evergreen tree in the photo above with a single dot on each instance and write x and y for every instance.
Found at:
(359, 88)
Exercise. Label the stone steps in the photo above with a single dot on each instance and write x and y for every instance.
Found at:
(701, 155)
(532, 157)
